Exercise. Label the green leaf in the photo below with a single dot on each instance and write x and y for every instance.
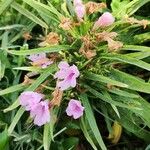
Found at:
(70, 143)
(15, 120)
(100, 78)
(122, 93)
(54, 10)
(32, 69)
(2, 70)
(148, 147)
(86, 134)
(12, 89)
(4, 5)
(142, 37)
(12, 106)
(135, 48)
(118, 7)
(28, 14)
(134, 5)
(138, 55)
(133, 83)
(3, 139)
(9, 27)
(129, 60)
(129, 124)
(50, 49)
(43, 10)
(126, 7)
(109, 100)
(46, 136)
(92, 122)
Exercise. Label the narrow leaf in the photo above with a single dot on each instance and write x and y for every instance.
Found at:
(3, 139)
(129, 60)
(28, 14)
(100, 78)
(12, 89)
(4, 5)
(50, 49)
(134, 83)
(46, 136)
(91, 120)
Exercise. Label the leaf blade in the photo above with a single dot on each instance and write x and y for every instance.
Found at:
(92, 121)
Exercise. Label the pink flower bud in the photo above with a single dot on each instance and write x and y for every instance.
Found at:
(105, 20)
(80, 11)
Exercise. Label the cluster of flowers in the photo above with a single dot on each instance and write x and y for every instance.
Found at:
(105, 20)
(39, 108)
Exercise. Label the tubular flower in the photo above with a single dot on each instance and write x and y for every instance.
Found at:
(66, 76)
(79, 9)
(105, 20)
(40, 113)
(29, 99)
(75, 109)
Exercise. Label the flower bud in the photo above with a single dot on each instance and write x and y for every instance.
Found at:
(80, 11)
(105, 20)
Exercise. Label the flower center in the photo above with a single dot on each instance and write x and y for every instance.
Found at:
(77, 108)
(71, 75)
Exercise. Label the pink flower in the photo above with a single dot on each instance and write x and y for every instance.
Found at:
(75, 109)
(41, 113)
(80, 11)
(29, 99)
(39, 110)
(37, 57)
(67, 75)
(105, 20)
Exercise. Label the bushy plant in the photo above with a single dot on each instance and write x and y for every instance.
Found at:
(74, 74)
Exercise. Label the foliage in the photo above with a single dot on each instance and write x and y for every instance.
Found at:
(113, 85)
